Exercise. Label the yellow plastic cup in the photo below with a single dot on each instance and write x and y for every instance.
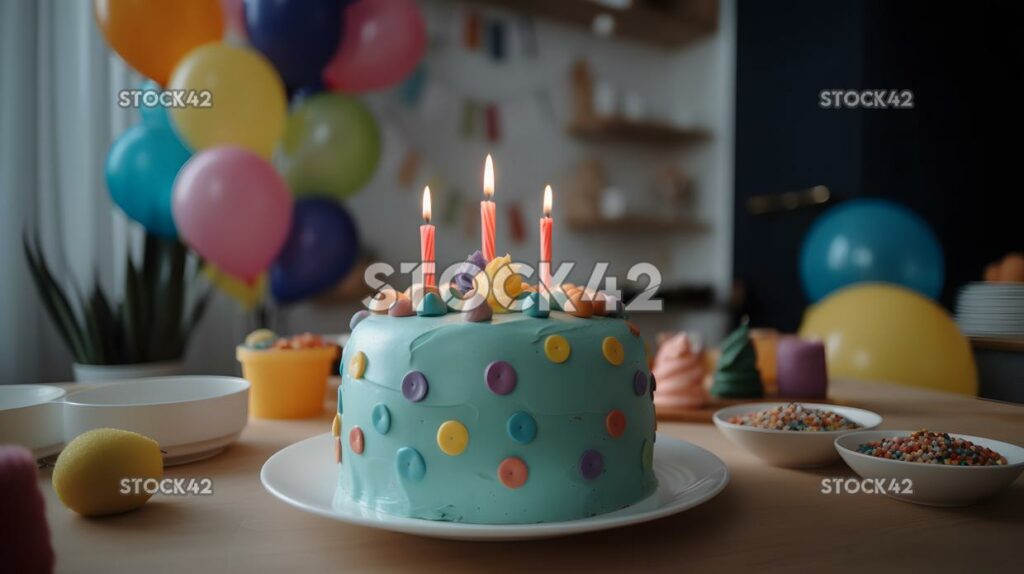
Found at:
(286, 383)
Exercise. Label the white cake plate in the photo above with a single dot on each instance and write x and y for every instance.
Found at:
(305, 476)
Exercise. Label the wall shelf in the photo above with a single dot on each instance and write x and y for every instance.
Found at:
(615, 129)
(639, 224)
(687, 21)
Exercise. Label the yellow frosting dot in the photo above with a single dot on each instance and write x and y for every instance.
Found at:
(612, 349)
(357, 365)
(336, 426)
(557, 348)
(452, 437)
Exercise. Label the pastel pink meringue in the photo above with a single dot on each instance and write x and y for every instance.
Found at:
(680, 369)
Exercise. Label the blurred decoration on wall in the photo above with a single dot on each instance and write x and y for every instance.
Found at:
(381, 43)
(234, 209)
(299, 37)
(153, 37)
(889, 333)
(331, 146)
(870, 240)
(239, 99)
(321, 249)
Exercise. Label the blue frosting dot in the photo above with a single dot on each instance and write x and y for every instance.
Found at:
(409, 463)
(522, 427)
(381, 417)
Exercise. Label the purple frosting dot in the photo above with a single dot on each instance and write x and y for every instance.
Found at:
(639, 383)
(414, 386)
(500, 377)
(591, 464)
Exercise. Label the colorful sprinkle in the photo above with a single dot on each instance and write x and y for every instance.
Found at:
(431, 305)
(452, 437)
(401, 308)
(409, 464)
(633, 328)
(356, 440)
(640, 383)
(612, 349)
(357, 365)
(415, 386)
(615, 423)
(500, 377)
(537, 307)
(933, 448)
(512, 472)
(795, 417)
(557, 348)
(381, 418)
(521, 427)
(591, 464)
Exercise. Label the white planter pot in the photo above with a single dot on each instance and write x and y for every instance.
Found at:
(99, 373)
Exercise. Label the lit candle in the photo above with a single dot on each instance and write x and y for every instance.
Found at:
(427, 242)
(487, 212)
(545, 241)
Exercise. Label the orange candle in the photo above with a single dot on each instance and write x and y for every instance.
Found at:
(487, 212)
(427, 242)
(545, 240)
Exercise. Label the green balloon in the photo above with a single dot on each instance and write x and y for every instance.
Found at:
(331, 146)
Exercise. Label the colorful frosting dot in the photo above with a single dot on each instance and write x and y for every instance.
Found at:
(357, 365)
(615, 423)
(522, 427)
(415, 386)
(591, 464)
(647, 455)
(612, 349)
(500, 377)
(512, 472)
(557, 348)
(452, 437)
(336, 426)
(409, 463)
(381, 418)
(355, 440)
(639, 383)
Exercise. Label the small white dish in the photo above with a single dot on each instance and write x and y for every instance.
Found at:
(791, 449)
(305, 476)
(30, 416)
(191, 417)
(933, 484)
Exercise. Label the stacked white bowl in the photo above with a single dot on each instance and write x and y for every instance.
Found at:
(996, 310)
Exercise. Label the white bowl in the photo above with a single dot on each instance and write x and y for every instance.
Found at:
(192, 417)
(933, 484)
(791, 449)
(31, 417)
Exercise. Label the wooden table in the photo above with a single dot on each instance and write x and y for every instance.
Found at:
(767, 519)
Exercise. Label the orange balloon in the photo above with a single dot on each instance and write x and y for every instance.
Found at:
(154, 35)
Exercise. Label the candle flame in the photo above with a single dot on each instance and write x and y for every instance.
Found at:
(547, 201)
(426, 204)
(488, 178)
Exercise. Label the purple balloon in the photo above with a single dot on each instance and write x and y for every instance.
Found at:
(321, 249)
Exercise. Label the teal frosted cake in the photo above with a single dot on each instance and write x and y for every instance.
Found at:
(510, 419)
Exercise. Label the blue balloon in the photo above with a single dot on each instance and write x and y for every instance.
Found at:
(870, 240)
(153, 115)
(322, 247)
(141, 168)
(298, 36)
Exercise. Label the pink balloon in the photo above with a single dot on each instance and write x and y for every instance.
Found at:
(233, 208)
(382, 43)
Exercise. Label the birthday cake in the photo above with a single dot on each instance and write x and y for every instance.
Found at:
(515, 418)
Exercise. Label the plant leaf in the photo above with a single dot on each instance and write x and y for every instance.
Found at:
(55, 300)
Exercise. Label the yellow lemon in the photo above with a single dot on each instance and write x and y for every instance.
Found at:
(95, 473)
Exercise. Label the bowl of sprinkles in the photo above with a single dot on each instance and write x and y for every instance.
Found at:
(792, 435)
(933, 468)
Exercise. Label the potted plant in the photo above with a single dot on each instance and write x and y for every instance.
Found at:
(144, 334)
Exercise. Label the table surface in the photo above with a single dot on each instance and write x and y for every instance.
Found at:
(769, 519)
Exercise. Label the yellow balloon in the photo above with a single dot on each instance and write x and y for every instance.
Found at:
(233, 96)
(248, 294)
(889, 333)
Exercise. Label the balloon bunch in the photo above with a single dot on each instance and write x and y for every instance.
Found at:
(220, 160)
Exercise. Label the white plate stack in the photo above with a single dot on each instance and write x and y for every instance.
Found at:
(994, 310)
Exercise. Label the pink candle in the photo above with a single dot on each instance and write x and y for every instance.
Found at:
(487, 212)
(545, 241)
(427, 242)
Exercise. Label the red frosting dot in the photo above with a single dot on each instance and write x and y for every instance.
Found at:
(512, 472)
(615, 423)
(355, 440)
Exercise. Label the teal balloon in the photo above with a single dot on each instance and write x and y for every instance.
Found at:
(141, 168)
(331, 146)
(153, 115)
(871, 240)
